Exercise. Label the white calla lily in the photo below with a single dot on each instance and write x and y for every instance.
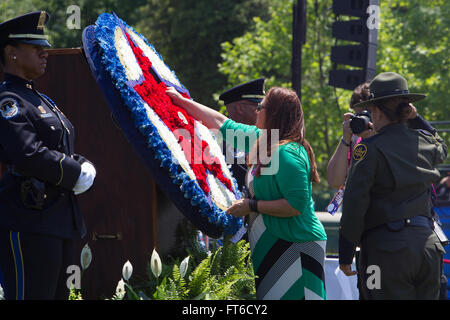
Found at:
(156, 265)
(184, 266)
(120, 289)
(86, 257)
(127, 270)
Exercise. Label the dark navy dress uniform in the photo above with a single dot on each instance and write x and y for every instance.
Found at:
(238, 166)
(252, 91)
(39, 214)
(37, 140)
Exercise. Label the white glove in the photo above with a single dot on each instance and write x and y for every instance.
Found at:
(86, 178)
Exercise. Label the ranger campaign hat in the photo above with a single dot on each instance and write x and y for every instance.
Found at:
(252, 90)
(389, 85)
(28, 28)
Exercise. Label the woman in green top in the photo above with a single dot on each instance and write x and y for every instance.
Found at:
(286, 237)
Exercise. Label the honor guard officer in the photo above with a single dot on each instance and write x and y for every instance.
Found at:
(387, 206)
(39, 214)
(242, 102)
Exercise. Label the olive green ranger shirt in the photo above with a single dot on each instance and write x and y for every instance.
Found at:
(390, 178)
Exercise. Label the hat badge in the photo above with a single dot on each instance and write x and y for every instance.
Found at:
(41, 21)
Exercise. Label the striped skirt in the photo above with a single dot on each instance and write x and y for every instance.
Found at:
(286, 270)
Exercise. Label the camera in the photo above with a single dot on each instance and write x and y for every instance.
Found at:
(360, 122)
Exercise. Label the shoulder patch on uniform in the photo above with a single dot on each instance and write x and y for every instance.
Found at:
(9, 107)
(359, 152)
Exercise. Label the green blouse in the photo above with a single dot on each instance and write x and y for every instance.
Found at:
(290, 180)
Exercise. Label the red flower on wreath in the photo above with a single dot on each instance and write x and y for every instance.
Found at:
(154, 94)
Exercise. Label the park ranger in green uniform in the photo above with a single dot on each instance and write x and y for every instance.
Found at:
(386, 206)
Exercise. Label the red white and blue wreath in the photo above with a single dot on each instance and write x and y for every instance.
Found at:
(133, 78)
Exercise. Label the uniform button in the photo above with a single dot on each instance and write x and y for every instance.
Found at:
(52, 127)
(45, 196)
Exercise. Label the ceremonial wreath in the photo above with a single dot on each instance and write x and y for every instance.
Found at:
(181, 153)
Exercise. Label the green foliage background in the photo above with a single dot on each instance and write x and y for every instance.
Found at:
(412, 40)
(214, 44)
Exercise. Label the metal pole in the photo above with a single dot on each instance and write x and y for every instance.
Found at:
(439, 123)
(298, 39)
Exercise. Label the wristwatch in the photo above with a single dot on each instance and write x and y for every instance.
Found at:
(253, 204)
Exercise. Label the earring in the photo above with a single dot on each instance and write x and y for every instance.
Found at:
(14, 58)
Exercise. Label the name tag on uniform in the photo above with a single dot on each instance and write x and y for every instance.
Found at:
(44, 113)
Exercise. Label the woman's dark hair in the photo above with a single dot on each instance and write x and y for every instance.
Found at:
(284, 112)
(360, 93)
(397, 114)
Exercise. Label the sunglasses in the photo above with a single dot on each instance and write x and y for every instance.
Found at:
(259, 107)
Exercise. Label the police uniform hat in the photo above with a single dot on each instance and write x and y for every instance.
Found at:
(389, 85)
(252, 90)
(28, 28)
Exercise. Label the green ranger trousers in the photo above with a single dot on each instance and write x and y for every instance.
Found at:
(400, 265)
